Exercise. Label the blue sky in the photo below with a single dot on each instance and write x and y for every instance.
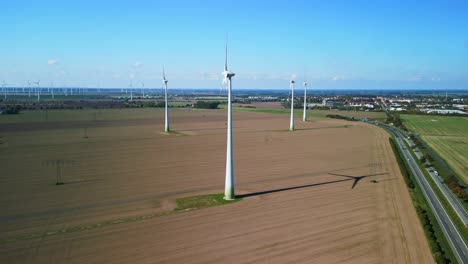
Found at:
(336, 44)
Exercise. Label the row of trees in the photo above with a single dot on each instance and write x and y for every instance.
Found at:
(342, 117)
(394, 118)
(298, 104)
(207, 104)
(434, 243)
(12, 109)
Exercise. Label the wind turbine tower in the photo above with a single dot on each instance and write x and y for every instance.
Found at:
(131, 92)
(4, 89)
(304, 116)
(291, 121)
(229, 185)
(166, 113)
(38, 91)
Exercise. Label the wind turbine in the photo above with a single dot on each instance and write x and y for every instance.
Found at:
(143, 89)
(304, 116)
(229, 184)
(38, 91)
(131, 91)
(29, 86)
(52, 89)
(166, 113)
(291, 121)
(4, 89)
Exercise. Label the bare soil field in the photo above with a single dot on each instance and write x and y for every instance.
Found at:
(300, 201)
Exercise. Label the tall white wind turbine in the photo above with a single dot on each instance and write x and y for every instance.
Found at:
(304, 116)
(229, 185)
(166, 113)
(291, 121)
(38, 91)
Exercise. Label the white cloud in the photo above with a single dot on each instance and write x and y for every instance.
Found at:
(336, 78)
(137, 65)
(52, 62)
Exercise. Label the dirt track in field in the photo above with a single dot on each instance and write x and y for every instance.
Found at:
(299, 205)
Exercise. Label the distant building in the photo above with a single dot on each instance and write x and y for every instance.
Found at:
(444, 111)
(396, 107)
(460, 106)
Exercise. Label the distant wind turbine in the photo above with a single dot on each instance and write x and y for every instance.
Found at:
(229, 184)
(4, 89)
(52, 89)
(130, 86)
(166, 113)
(143, 89)
(38, 90)
(291, 121)
(304, 116)
(29, 86)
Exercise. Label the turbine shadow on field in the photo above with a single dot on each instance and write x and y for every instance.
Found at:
(356, 178)
(82, 181)
(288, 189)
(318, 128)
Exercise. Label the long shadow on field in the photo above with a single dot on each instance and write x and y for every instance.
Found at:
(82, 181)
(356, 178)
(288, 189)
(317, 128)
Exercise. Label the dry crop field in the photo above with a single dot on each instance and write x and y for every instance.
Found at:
(299, 202)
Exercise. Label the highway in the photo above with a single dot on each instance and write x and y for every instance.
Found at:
(448, 194)
(459, 248)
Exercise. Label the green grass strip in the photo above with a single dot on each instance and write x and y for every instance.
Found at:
(183, 205)
(201, 201)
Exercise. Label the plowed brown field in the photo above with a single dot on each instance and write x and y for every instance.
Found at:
(299, 204)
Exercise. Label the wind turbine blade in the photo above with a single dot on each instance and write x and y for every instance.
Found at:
(164, 74)
(225, 61)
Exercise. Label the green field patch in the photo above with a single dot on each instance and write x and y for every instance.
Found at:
(447, 136)
(175, 133)
(201, 201)
(183, 204)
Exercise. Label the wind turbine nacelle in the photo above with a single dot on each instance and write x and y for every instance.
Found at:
(228, 74)
(292, 81)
